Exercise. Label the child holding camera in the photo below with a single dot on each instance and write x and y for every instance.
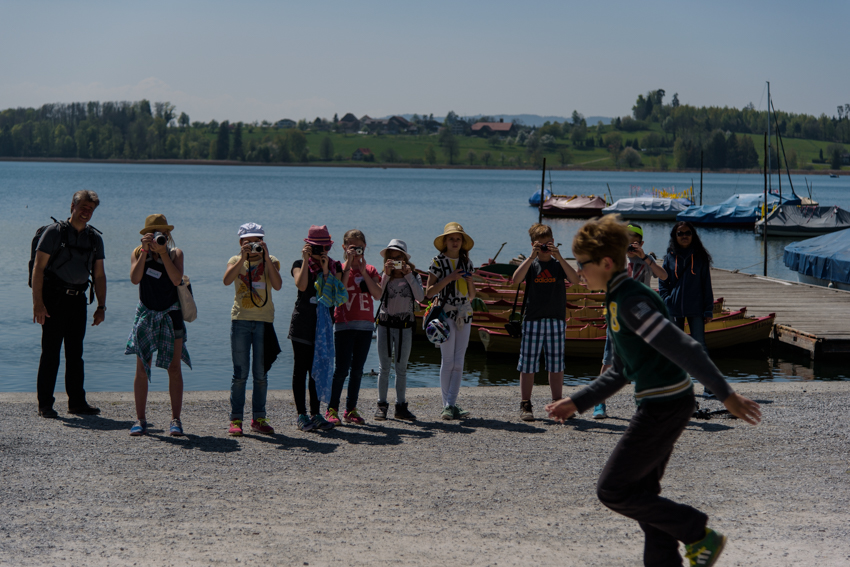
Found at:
(653, 353)
(156, 266)
(544, 323)
(252, 325)
(641, 267)
(402, 288)
(450, 279)
(354, 322)
(314, 263)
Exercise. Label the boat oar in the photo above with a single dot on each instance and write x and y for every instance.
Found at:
(493, 261)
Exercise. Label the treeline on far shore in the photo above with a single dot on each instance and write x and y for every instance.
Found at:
(658, 135)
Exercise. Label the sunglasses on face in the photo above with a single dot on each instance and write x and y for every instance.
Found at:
(581, 265)
(684, 233)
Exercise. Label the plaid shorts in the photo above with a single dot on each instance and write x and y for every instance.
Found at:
(547, 335)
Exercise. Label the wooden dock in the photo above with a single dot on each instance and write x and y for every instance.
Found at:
(813, 318)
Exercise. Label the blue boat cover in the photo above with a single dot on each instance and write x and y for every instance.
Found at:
(737, 209)
(647, 206)
(826, 257)
(534, 200)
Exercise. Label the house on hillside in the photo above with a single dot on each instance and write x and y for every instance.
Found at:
(500, 128)
(362, 154)
(285, 123)
(397, 124)
(349, 123)
(391, 125)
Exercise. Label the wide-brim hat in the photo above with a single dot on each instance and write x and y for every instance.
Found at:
(156, 223)
(453, 228)
(319, 235)
(395, 244)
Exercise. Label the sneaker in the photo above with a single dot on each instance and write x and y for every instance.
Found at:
(332, 416)
(460, 413)
(176, 428)
(448, 413)
(304, 423)
(381, 412)
(705, 552)
(84, 409)
(139, 428)
(320, 422)
(525, 410)
(401, 412)
(235, 428)
(261, 425)
(48, 413)
(353, 416)
(599, 412)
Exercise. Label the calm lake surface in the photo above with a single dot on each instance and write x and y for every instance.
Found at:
(206, 204)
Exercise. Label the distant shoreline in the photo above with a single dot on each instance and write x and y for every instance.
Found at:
(374, 165)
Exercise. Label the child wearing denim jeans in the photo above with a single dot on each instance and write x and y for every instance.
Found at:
(252, 324)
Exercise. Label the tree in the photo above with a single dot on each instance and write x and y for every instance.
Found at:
(548, 142)
(576, 117)
(471, 157)
(630, 158)
(389, 155)
(222, 147)
(183, 121)
(336, 118)
(715, 151)
(579, 132)
(565, 155)
(326, 149)
(236, 151)
(450, 145)
(430, 155)
(834, 152)
(296, 142)
(675, 101)
(485, 157)
(614, 141)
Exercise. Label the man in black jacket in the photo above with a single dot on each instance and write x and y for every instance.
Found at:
(68, 254)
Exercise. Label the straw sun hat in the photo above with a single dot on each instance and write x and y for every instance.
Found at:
(156, 223)
(453, 228)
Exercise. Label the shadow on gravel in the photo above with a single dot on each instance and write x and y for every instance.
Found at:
(598, 425)
(707, 426)
(376, 434)
(470, 424)
(207, 443)
(284, 442)
(95, 423)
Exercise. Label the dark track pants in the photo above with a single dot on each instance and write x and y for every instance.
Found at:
(630, 483)
(66, 324)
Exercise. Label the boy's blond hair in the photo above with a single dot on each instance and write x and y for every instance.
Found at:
(539, 231)
(603, 238)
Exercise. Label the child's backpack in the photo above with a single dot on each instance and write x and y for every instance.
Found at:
(63, 229)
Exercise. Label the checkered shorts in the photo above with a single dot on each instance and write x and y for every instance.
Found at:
(546, 335)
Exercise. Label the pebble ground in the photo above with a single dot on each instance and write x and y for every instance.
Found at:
(489, 490)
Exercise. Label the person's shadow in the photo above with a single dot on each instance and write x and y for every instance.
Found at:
(597, 425)
(95, 423)
(205, 443)
(292, 443)
(470, 424)
(373, 434)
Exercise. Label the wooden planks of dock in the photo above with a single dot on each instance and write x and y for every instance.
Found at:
(815, 319)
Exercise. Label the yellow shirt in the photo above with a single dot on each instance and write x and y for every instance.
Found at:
(461, 283)
(247, 302)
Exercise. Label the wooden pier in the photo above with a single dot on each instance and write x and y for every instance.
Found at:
(813, 318)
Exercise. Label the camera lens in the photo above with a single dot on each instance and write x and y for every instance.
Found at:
(544, 248)
(257, 248)
(160, 238)
(358, 251)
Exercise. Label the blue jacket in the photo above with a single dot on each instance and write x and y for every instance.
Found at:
(687, 289)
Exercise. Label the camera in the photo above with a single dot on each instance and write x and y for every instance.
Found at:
(318, 249)
(398, 265)
(544, 248)
(160, 238)
(256, 248)
(632, 247)
(358, 251)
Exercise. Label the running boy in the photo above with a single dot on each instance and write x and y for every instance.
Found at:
(545, 307)
(653, 353)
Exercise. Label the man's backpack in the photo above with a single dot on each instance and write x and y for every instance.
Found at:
(63, 229)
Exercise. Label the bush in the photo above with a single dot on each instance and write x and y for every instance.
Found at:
(389, 155)
(630, 158)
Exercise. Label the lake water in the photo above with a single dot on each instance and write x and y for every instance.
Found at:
(206, 204)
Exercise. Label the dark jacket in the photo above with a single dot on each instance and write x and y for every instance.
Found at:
(687, 289)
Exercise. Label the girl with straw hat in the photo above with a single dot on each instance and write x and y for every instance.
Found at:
(450, 283)
(157, 268)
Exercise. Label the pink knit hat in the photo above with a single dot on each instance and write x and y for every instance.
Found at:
(319, 235)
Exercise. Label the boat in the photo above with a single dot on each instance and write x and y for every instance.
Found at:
(588, 341)
(534, 200)
(738, 210)
(804, 220)
(833, 176)
(823, 260)
(648, 208)
(574, 206)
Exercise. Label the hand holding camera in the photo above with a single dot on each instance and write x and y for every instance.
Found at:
(635, 250)
(157, 242)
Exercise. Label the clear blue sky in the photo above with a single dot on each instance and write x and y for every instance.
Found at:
(262, 59)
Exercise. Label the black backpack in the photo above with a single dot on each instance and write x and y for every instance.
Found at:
(63, 229)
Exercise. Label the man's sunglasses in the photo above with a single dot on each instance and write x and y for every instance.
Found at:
(684, 233)
(581, 265)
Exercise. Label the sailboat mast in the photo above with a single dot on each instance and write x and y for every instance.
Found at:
(769, 183)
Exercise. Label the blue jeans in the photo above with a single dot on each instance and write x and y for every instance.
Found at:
(352, 348)
(697, 325)
(246, 336)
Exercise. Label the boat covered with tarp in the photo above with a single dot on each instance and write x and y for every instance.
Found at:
(804, 220)
(738, 210)
(823, 260)
(648, 208)
(534, 200)
(574, 206)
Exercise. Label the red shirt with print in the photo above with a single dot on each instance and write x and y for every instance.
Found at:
(360, 304)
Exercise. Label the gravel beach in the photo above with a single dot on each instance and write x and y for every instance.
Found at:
(489, 490)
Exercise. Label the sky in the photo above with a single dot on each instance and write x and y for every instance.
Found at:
(267, 60)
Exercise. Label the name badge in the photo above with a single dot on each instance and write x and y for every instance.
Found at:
(153, 273)
(314, 300)
(259, 285)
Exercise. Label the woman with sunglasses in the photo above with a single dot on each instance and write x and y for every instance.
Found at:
(687, 290)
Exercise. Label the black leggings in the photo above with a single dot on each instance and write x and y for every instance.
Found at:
(302, 367)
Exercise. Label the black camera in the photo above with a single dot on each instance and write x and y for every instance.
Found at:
(256, 248)
(318, 249)
(358, 251)
(544, 248)
(633, 247)
(160, 238)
